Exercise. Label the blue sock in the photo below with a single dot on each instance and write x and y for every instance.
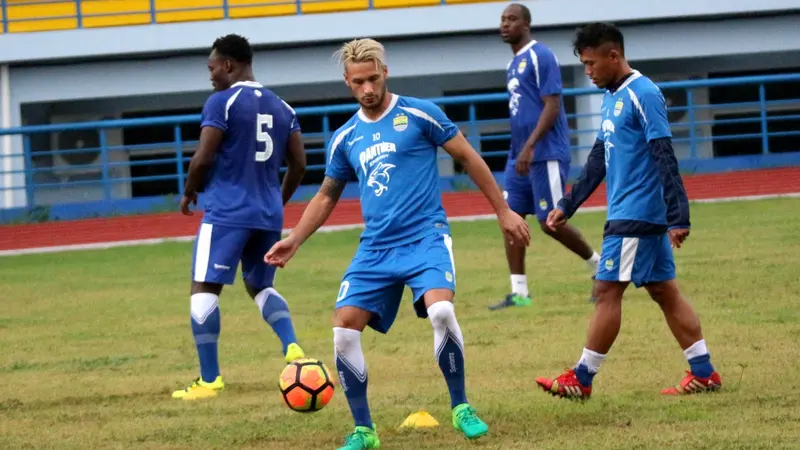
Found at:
(275, 312)
(205, 328)
(701, 366)
(699, 359)
(352, 373)
(449, 349)
(583, 374)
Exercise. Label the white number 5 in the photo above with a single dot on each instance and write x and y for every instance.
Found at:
(262, 135)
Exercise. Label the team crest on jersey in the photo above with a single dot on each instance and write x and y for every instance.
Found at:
(522, 65)
(609, 264)
(618, 108)
(400, 122)
(448, 276)
(379, 178)
(543, 204)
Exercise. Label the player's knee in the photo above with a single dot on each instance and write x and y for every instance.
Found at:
(351, 318)
(200, 287)
(442, 314)
(663, 292)
(545, 229)
(608, 292)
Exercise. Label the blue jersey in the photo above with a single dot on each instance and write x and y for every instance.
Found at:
(633, 115)
(243, 189)
(634, 153)
(395, 161)
(533, 73)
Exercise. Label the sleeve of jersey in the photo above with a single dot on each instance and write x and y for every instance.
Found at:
(295, 124)
(653, 115)
(548, 71)
(674, 193)
(436, 126)
(337, 166)
(592, 174)
(214, 113)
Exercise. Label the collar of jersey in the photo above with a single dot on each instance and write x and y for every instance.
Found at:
(628, 80)
(527, 47)
(252, 84)
(363, 117)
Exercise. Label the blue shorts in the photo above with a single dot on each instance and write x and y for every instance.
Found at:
(642, 260)
(539, 191)
(218, 250)
(376, 278)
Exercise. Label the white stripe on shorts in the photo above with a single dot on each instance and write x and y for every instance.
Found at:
(203, 252)
(448, 242)
(554, 180)
(627, 258)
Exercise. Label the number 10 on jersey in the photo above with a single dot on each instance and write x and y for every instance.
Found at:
(262, 135)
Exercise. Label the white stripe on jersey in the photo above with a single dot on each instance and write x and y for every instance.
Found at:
(338, 139)
(230, 102)
(422, 115)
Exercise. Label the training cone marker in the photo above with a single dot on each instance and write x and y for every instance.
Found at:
(420, 420)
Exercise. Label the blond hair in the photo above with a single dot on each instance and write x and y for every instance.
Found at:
(360, 51)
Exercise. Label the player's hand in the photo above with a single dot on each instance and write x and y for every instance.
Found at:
(186, 200)
(515, 228)
(282, 252)
(556, 219)
(524, 160)
(677, 236)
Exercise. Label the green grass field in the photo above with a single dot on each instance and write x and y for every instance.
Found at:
(93, 343)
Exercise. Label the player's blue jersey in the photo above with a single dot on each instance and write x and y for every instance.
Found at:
(395, 161)
(633, 115)
(532, 73)
(243, 189)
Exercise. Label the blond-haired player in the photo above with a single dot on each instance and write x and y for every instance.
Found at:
(390, 145)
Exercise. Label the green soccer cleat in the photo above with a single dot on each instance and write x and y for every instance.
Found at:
(362, 438)
(512, 300)
(465, 421)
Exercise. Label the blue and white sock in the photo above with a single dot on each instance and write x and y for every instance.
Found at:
(352, 373)
(588, 366)
(448, 348)
(205, 328)
(699, 359)
(275, 312)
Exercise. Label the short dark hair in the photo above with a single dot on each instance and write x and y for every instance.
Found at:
(526, 13)
(594, 35)
(234, 47)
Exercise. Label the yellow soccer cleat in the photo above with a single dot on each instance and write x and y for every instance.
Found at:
(293, 353)
(199, 389)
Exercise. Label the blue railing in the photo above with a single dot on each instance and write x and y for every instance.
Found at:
(765, 132)
(44, 15)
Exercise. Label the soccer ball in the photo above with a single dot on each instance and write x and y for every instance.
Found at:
(306, 385)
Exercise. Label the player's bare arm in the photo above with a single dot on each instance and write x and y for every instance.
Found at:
(295, 166)
(514, 227)
(203, 159)
(317, 212)
(674, 192)
(592, 174)
(552, 107)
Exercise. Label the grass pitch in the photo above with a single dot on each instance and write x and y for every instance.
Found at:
(93, 343)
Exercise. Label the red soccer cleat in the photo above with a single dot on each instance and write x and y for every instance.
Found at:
(565, 386)
(693, 385)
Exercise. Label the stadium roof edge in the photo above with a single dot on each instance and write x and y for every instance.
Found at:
(132, 41)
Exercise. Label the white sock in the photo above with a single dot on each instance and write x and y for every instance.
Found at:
(347, 348)
(593, 261)
(519, 284)
(443, 319)
(697, 349)
(592, 360)
(202, 305)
